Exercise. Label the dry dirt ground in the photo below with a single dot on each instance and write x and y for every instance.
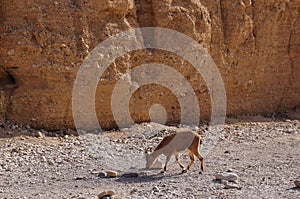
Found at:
(263, 152)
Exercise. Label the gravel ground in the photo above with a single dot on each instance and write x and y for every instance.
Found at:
(263, 152)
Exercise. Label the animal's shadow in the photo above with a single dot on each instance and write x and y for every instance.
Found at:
(294, 188)
(149, 178)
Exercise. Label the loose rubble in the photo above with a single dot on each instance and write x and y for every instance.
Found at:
(59, 166)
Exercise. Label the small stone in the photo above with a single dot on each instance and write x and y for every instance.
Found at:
(112, 174)
(227, 176)
(232, 186)
(133, 191)
(71, 132)
(189, 189)
(297, 183)
(11, 52)
(58, 160)
(39, 134)
(290, 130)
(23, 138)
(227, 151)
(79, 178)
(155, 189)
(106, 194)
(9, 169)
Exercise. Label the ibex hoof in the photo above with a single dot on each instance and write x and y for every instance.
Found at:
(184, 171)
(200, 172)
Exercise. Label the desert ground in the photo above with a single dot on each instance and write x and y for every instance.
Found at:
(264, 152)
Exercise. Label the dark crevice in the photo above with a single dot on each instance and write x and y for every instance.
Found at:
(81, 25)
(223, 22)
(7, 88)
(146, 18)
(144, 13)
(254, 30)
(75, 4)
(7, 81)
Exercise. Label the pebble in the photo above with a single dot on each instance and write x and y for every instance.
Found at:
(79, 178)
(106, 194)
(39, 134)
(58, 160)
(133, 191)
(290, 130)
(227, 151)
(227, 176)
(11, 52)
(188, 189)
(112, 174)
(297, 183)
(155, 189)
(232, 186)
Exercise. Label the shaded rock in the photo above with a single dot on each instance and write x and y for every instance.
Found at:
(297, 183)
(71, 132)
(79, 178)
(232, 186)
(189, 189)
(133, 191)
(232, 177)
(102, 174)
(106, 194)
(39, 134)
(155, 189)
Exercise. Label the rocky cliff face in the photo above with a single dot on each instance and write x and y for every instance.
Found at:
(255, 44)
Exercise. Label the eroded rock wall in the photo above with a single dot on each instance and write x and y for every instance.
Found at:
(255, 44)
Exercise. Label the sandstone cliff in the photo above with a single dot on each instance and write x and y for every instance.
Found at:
(255, 44)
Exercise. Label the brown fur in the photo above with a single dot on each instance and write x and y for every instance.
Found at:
(166, 145)
(165, 141)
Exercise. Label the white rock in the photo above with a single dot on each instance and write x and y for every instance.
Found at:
(227, 176)
(39, 134)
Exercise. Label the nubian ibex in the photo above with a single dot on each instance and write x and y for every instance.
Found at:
(173, 145)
